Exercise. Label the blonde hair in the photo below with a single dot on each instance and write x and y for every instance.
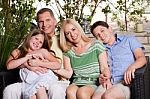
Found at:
(65, 44)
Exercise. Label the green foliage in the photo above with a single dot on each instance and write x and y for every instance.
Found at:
(73, 8)
(106, 9)
(15, 18)
(122, 9)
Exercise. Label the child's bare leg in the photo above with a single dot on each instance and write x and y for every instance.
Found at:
(41, 93)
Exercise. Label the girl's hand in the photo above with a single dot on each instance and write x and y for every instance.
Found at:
(29, 56)
(38, 56)
(34, 62)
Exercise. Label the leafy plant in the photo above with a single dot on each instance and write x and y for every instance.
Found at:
(15, 18)
(73, 8)
(122, 9)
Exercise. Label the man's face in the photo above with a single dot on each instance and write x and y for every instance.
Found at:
(102, 33)
(47, 23)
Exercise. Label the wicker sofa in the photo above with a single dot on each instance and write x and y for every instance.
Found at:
(140, 87)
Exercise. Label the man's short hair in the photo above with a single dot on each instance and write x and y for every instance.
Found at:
(42, 11)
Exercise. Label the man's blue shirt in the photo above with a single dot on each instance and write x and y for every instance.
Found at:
(121, 55)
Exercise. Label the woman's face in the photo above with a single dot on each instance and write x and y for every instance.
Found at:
(72, 33)
(36, 42)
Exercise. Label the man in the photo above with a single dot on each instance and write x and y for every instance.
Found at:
(125, 55)
(47, 23)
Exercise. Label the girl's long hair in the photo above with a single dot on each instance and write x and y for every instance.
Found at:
(25, 46)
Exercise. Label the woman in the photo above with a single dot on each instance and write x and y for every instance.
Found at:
(35, 48)
(84, 59)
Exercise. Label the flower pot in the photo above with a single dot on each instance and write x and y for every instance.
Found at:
(139, 27)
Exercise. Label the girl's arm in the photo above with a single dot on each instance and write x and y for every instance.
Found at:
(67, 71)
(14, 62)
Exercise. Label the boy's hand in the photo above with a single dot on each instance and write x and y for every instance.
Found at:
(107, 84)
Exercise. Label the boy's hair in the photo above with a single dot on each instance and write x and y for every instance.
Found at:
(99, 23)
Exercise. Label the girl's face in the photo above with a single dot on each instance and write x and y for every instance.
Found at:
(72, 33)
(36, 42)
(102, 33)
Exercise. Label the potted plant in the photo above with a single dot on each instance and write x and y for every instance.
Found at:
(138, 22)
(15, 18)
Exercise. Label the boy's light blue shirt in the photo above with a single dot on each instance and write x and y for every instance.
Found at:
(121, 55)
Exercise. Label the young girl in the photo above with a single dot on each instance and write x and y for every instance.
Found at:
(34, 54)
(85, 58)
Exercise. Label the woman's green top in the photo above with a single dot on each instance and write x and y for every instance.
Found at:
(86, 66)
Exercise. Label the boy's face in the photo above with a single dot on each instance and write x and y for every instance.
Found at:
(102, 33)
(47, 23)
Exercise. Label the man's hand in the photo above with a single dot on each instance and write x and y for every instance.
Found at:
(38, 70)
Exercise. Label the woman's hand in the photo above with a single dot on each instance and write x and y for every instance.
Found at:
(105, 75)
(103, 78)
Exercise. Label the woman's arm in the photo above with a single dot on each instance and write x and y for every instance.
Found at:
(104, 65)
(13, 60)
(105, 75)
(67, 71)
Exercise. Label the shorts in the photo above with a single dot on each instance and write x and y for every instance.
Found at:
(125, 89)
(91, 85)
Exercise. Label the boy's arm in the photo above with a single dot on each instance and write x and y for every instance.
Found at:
(140, 60)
